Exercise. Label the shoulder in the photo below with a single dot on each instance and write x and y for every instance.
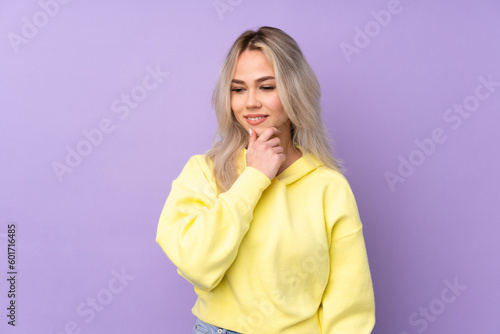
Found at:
(331, 180)
(198, 161)
(340, 207)
(331, 175)
(338, 197)
(196, 167)
(196, 176)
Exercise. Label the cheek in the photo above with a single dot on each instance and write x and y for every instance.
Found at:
(236, 104)
(275, 104)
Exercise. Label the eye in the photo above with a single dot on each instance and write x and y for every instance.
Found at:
(268, 88)
(237, 89)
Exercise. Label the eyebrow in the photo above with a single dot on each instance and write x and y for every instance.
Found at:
(256, 80)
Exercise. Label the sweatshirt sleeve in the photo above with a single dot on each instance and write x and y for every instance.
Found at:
(348, 304)
(200, 232)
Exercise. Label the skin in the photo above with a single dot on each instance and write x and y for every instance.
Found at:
(253, 91)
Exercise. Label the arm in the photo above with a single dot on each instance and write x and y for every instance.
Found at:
(201, 233)
(348, 304)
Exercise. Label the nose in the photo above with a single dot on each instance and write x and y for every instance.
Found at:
(253, 100)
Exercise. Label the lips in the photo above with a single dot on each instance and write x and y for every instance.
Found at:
(255, 119)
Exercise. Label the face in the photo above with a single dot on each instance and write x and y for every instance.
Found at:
(254, 98)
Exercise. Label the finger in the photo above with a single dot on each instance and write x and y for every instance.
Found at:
(278, 149)
(252, 138)
(283, 157)
(268, 133)
(273, 142)
(258, 132)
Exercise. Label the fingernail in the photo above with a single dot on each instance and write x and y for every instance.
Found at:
(250, 130)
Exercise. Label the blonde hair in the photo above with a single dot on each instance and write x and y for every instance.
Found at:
(299, 92)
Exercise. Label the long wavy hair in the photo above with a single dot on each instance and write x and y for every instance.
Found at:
(299, 92)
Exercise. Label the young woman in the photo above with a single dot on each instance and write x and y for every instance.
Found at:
(264, 225)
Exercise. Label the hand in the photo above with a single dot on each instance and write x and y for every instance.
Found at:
(264, 151)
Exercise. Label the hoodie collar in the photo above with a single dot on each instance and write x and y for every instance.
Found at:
(302, 166)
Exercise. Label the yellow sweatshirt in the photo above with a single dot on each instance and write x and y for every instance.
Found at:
(280, 256)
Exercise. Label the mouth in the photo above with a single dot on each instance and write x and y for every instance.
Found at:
(255, 119)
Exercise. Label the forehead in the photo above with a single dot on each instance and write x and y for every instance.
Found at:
(252, 64)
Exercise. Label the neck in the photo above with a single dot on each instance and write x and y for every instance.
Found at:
(292, 154)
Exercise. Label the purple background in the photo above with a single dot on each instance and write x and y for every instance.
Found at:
(75, 234)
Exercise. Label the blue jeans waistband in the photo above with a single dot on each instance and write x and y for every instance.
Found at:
(201, 327)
